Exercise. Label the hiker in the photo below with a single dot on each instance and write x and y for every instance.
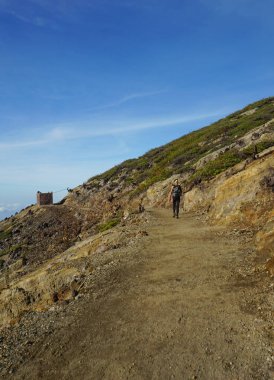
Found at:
(141, 205)
(175, 195)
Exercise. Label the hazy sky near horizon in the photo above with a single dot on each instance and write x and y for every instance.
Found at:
(85, 84)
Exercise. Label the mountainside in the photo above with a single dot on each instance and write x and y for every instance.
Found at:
(201, 154)
(226, 171)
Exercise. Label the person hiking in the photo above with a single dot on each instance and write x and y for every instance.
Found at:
(175, 195)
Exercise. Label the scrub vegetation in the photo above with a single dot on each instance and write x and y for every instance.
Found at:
(108, 225)
(5, 234)
(181, 155)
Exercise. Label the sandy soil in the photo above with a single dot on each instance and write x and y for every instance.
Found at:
(175, 307)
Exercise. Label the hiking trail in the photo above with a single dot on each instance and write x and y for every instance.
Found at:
(173, 309)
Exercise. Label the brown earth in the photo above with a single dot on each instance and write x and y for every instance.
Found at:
(185, 303)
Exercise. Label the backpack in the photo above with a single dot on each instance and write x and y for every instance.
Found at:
(177, 191)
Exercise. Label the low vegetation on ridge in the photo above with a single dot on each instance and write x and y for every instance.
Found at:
(180, 156)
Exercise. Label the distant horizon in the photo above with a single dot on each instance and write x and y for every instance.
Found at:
(86, 85)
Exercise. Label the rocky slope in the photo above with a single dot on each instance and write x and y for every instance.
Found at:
(61, 278)
(242, 196)
(226, 170)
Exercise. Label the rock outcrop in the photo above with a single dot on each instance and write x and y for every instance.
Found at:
(63, 277)
(242, 196)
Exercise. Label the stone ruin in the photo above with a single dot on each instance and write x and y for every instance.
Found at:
(44, 199)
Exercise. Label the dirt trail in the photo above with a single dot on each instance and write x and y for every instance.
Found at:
(172, 311)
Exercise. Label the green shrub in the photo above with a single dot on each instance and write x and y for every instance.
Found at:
(12, 249)
(5, 234)
(220, 164)
(108, 225)
(261, 146)
(3, 252)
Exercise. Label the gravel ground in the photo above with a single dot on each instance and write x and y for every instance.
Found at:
(183, 300)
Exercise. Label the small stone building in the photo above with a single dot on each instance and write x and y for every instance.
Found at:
(44, 199)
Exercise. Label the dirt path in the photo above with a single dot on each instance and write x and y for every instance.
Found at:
(172, 311)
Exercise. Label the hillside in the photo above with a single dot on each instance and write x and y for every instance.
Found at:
(224, 143)
(226, 170)
(52, 256)
(196, 157)
(37, 234)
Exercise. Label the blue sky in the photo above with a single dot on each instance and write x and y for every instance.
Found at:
(86, 84)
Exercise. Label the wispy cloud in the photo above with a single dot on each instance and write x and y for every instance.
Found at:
(6, 210)
(46, 13)
(35, 12)
(22, 144)
(9, 207)
(88, 129)
(128, 98)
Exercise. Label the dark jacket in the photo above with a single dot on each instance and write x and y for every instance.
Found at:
(176, 191)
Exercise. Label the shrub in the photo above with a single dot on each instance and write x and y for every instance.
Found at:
(220, 164)
(12, 250)
(261, 146)
(5, 234)
(108, 225)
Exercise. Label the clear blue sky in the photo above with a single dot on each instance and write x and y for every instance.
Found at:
(86, 84)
